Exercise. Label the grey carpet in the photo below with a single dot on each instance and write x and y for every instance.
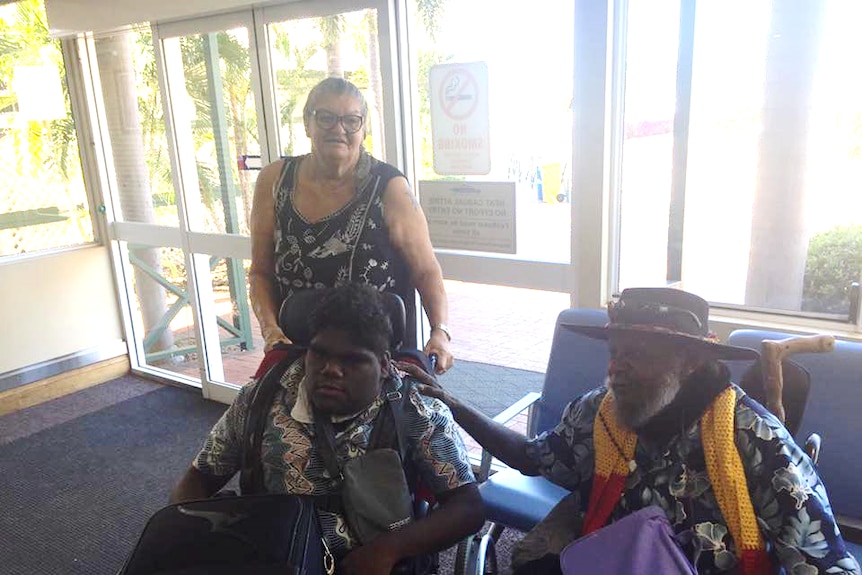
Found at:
(75, 496)
(490, 388)
(82, 474)
(29, 421)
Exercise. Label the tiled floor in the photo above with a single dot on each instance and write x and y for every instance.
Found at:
(510, 327)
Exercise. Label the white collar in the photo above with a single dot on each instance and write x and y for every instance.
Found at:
(303, 413)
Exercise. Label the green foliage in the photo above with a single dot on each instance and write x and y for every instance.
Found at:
(294, 82)
(834, 262)
(431, 13)
(24, 41)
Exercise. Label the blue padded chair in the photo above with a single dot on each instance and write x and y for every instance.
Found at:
(577, 364)
(833, 411)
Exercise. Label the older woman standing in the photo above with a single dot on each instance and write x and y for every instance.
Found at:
(338, 215)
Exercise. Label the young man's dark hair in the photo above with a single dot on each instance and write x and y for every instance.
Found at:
(357, 309)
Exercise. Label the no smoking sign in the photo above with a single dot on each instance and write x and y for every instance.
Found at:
(459, 118)
(459, 94)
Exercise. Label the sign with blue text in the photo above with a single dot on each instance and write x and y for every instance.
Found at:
(478, 216)
(459, 118)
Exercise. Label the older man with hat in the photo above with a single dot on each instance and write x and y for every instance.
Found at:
(669, 429)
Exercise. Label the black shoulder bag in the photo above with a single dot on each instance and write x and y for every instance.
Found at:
(377, 487)
(255, 533)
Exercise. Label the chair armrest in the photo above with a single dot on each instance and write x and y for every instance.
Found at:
(812, 447)
(526, 402)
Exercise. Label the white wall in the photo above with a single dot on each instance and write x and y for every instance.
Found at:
(56, 305)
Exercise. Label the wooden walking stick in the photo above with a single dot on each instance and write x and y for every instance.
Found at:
(774, 351)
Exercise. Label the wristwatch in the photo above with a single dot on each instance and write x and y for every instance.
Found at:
(444, 328)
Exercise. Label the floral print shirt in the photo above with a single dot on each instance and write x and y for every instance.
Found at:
(291, 465)
(789, 499)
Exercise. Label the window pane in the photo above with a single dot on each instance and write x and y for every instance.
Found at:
(773, 213)
(216, 126)
(136, 127)
(647, 166)
(43, 202)
(239, 333)
(529, 56)
(239, 344)
(306, 51)
(161, 309)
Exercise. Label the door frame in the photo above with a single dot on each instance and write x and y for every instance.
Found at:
(198, 246)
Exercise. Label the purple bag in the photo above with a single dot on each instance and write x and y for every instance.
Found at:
(643, 542)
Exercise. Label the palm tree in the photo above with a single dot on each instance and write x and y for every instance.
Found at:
(331, 28)
(375, 83)
(779, 242)
(117, 71)
(294, 82)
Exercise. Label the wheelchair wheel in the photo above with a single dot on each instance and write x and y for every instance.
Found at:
(477, 555)
(466, 556)
(487, 560)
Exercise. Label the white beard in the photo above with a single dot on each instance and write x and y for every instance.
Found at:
(633, 410)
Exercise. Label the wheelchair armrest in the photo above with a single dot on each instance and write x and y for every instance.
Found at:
(526, 402)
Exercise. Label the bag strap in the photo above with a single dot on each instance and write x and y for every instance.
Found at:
(251, 472)
(394, 419)
(324, 441)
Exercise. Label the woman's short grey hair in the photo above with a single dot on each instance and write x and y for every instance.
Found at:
(333, 87)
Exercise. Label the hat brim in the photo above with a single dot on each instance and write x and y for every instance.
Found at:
(711, 350)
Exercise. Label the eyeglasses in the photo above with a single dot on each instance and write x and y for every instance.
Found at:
(327, 120)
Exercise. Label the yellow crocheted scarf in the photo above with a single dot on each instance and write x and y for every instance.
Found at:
(615, 448)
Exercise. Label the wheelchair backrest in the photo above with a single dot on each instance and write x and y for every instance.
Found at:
(294, 312)
(576, 365)
(834, 403)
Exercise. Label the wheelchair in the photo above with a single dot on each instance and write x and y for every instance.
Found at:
(230, 534)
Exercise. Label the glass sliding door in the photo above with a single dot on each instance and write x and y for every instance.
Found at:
(142, 204)
(521, 74)
(310, 41)
(194, 109)
(214, 119)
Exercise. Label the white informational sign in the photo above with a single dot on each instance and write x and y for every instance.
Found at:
(477, 216)
(459, 118)
(40, 92)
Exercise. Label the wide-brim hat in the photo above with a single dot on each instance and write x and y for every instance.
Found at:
(665, 313)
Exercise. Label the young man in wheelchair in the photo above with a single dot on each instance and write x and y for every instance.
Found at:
(345, 380)
(668, 428)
